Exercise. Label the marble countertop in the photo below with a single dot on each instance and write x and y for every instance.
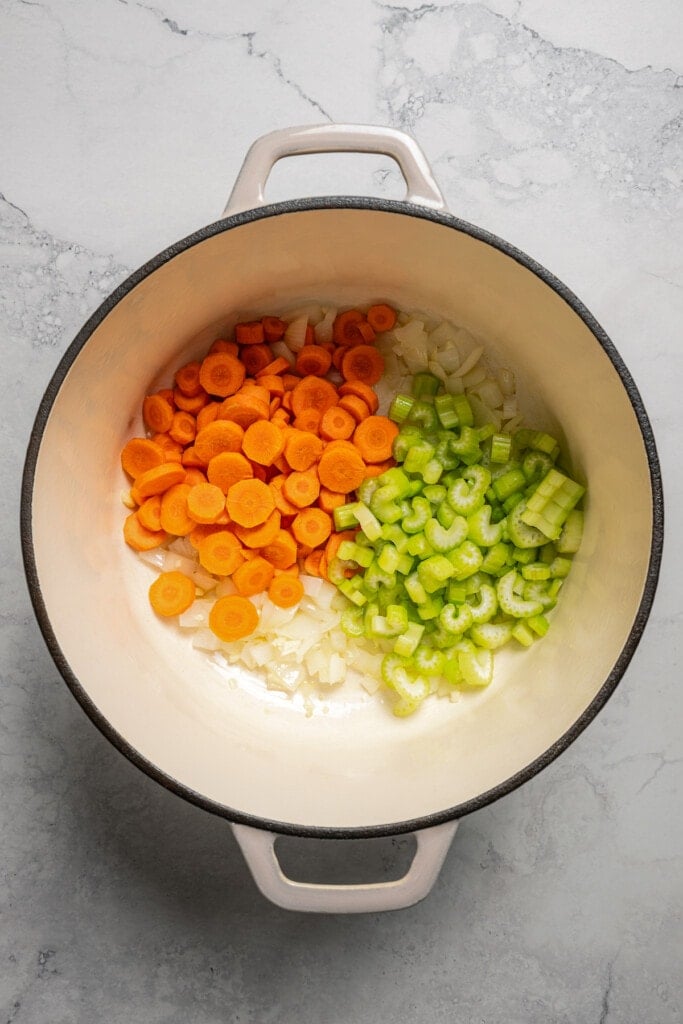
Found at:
(554, 124)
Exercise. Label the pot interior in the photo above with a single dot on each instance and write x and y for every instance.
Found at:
(254, 751)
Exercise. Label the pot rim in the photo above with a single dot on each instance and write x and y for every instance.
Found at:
(347, 832)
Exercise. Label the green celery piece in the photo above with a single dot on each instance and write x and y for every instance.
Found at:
(540, 592)
(352, 622)
(434, 572)
(551, 502)
(538, 623)
(419, 546)
(495, 558)
(481, 530)
(491, 635)
(349, 551)
(554, 588)
(446, 411)
(435, 494)
(510, 603)
(535, 465)
(431, 474)
(445, 515)
(400, 408)
(367, 489)
(417, 457)
(465, 445)
(368, 522)
(524, 556)
(559, 567)
(536, 571)
(405, 564)
(508, 483)
(416, 592)
(371, 609)
(445, 456)
(431, 608)
(388, 558)
(522, 634)
(423, 415)
(393, 483)
(397, 618)
(463, 410)
(393, 533)
(547, 553)
(466, 495)
(569, 541)
(407, 643)
(375, 577)
(520, 533)
(501, 447)
(421, 512)
(512, 501)
(356, 596)
(476, 665)
(451, 670)
(442, 539)
(429, 661)
(465, 559)
(455, 620)
(487, 605)
(385, 511)
(456, 592)
(425, 385)
(345, 516)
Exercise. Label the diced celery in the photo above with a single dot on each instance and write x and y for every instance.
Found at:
(510, 603)
(407, 643)
(345, 516)
(487, 605)
(491, 635)
(455, 620)
(522, 634)
(465, 559)
(421, 511)
(443, 540)
(501, 447)
(434, 572)
(569, 541)
(425, 385)
(536, 571)
(400, 408)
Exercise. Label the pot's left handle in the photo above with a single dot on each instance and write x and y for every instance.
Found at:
(258, 847)
(248, 191)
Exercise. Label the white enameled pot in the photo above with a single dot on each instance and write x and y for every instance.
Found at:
(252, 755)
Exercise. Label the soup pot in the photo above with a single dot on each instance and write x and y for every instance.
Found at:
(350, 769)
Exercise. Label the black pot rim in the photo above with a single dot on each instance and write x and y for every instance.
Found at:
(312, 831)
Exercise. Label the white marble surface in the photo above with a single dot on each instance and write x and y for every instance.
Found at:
(555, 124)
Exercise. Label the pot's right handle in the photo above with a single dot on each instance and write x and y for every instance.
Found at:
(258, 847)
(333, 138)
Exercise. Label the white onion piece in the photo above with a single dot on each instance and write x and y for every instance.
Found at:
(205, 640)
(436, 368)
(506, 381)
(510, 407)
(281, 351)
(490, 394)
(310, 311)
(323, 330)
(196, 616)
(454, 384)
(449, 358)
(474, 376)
(295, 335)
(470, 361)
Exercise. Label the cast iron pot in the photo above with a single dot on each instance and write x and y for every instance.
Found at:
(251, 755)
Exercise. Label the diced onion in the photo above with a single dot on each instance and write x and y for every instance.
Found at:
(295, 335)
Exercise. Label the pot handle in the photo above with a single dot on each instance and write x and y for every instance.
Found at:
(264, 153)
(258, 848)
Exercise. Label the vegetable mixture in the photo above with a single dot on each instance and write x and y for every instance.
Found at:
(300, 530)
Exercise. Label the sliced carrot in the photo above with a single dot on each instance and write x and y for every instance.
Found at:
(233, 617)
(259, 536)
(341, 470)
(243, 410)
(273, 328)
(255, 357)
(227, 468)
(291, 570)
(332, 546)
(329, 500)
(190, 459)
(312, 526)
(338, 355)
(219, 436)
(381, 317)
(301, 489)
(200, 532)
(313, 360)
(207, 414)
(337, 424)
(366, 332)
(360, 390)
(302, 449)
(184, 428)
(140, 454)
(260, 472)
(272, 383)
(308, 420)
(168, 395)
(263, 442)
(173, 450)
(187, 379)
(290, 381)
(322, 566)
(205, 502)
(175, 517)
(221, 374)
(157, 413)
(356, 408)
(149, 513)
(285, 591)
(223, 345)
(193, 405)
(172, 593)
(377, 468)
(364, 363)
(312, 562)
(157, 480)
(275, 368)
(250, 502)
(281, 551)
(280, 416)
(220, 552)
(193, 476)
(374, 438)
(253, 577)
(275, 404)
(281, 503)
(250, 333)
(139, 537)
(345, 329)
(313, 392)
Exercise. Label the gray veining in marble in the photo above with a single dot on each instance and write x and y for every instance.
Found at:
(556, 125)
